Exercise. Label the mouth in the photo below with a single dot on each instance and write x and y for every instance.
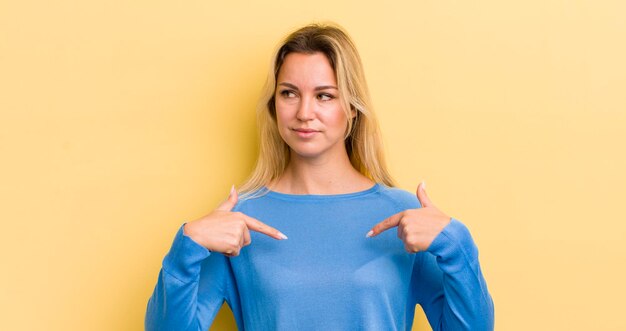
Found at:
(305, 133)
(305, 130)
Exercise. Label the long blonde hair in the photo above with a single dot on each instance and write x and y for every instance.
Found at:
(363, 139)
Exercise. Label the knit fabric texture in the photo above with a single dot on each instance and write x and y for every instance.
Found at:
(327, 275)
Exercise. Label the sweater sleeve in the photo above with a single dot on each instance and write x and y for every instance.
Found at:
(449, 284)
(192, 286)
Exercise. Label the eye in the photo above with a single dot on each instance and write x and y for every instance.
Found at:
(325, 96)
(288, 93)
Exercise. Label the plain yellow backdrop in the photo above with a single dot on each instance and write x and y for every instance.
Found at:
(120, 120)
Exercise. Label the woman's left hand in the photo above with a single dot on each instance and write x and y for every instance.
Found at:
(416, 227)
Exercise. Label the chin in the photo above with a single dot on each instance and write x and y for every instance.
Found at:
(305, 153)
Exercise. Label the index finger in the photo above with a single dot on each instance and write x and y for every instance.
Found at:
(258, 226)
(386, 224)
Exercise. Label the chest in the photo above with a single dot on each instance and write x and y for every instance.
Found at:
(327, 253)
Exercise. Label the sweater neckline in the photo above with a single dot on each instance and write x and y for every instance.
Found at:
(317, 197)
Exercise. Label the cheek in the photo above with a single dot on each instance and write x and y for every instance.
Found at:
(337, 120)
(282, 119)
(285, 108)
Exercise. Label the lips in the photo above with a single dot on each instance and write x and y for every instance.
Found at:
(305, 130)
(305, 133)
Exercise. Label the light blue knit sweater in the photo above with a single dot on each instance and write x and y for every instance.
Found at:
(327, 275)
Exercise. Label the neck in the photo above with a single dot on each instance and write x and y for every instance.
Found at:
(326, 174)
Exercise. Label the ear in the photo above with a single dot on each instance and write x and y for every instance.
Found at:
(353, 111)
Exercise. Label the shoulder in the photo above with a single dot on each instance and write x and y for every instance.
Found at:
(401, 197)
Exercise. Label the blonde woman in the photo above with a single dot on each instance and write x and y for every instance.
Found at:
(320, 239)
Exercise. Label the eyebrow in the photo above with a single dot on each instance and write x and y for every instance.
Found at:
(317, 88)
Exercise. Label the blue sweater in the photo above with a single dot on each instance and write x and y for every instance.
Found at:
(327, 275)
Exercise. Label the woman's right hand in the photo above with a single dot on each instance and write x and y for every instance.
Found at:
(225, 231)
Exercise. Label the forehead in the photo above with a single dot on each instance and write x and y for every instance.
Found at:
(306, 70)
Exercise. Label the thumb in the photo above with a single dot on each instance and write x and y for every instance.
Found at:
(229, 203)
(421, 195)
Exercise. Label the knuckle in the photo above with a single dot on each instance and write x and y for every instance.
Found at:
(233, 241)
(411, 248)
(234, 232)
(239, 216)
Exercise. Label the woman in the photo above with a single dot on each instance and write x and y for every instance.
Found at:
(321, 179)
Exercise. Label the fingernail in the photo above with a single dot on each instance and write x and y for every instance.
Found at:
(232, 190)
(423, 185)
(369, 234)
(282, 236)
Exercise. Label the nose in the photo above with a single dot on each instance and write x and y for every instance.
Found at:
(306, 110)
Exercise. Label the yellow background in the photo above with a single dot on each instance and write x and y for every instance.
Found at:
(120, 120)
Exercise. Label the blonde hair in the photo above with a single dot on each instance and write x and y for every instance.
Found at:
(363, 139)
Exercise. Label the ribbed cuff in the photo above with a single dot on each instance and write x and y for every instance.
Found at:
(185, 257)
(454, 247)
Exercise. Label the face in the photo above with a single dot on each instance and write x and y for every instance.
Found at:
(309, 113)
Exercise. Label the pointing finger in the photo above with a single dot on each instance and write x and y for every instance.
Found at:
(258, 226)
(387, 223)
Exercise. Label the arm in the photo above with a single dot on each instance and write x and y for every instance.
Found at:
(449, 285)
(192, 286)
